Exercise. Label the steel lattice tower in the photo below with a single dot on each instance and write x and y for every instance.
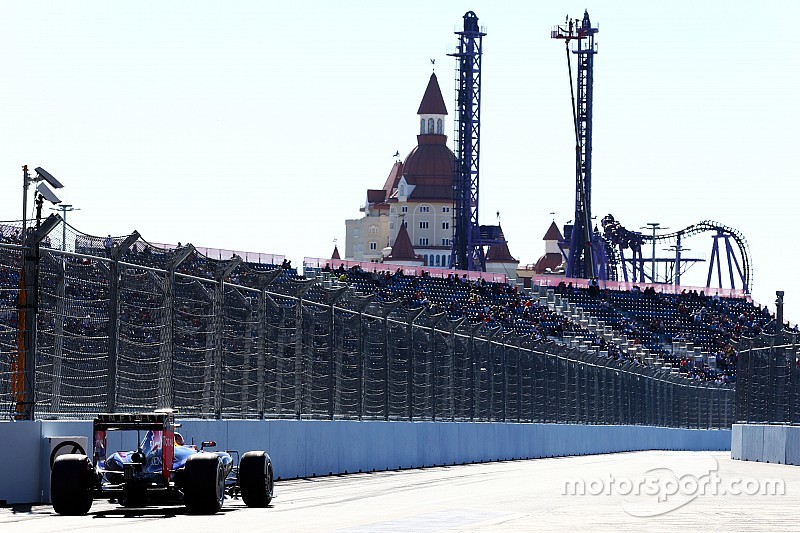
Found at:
(467, 246)
(582, 260)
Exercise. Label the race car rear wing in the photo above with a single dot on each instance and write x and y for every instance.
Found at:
(161, 423)
(128, 421)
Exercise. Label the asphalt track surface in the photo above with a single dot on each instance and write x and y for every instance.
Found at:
(642, 491)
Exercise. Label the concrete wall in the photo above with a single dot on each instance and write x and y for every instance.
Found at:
(315, 448)
(766, 443)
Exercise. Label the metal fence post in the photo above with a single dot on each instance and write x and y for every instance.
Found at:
(58, 338)
(410, 379)
(299, 339)
(166, 356)
(261, 349)
(28, 310)
(360, 305)
(334, 364)
(385, 353)
(116, 253)
(435, 320)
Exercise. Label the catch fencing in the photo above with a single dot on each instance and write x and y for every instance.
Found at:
(138, 328)
(768, 379)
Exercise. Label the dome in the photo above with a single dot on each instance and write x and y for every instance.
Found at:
(430, 163)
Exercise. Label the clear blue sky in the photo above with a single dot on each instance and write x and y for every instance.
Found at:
(259, 125)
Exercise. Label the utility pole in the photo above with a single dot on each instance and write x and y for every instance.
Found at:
(677, 248)
(64, 208)
(654, 226)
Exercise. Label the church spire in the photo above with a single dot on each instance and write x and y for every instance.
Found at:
(432, 109)
(432, 102)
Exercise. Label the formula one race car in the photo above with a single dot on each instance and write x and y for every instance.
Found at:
(163, 470)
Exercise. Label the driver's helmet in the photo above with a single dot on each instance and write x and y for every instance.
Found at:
(178, 439)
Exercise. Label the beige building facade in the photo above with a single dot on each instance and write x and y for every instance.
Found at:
(418, 192)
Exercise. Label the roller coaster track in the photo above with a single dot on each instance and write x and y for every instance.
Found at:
(625, 237)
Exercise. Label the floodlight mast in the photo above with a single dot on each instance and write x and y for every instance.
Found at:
(23, 369)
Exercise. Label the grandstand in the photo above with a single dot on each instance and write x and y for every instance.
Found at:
(652, 320)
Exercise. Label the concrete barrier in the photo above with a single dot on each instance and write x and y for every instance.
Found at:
(766, 443)
(21, 461)
(306, 448)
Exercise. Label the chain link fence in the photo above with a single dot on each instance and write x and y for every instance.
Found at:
(768, 380)
(128, 326)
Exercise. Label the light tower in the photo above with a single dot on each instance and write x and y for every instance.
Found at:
(467, 246)
(582, 260)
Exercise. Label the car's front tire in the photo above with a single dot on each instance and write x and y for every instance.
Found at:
(204, 483)
(256, 479)
(71, 484)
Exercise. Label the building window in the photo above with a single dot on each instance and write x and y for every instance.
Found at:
(422, 126)
(391, 225)
(373, 230)
(445, 242)
(430, 125)
(444, 261)
(423, 241)
(446, 209)
(393, 210)
(404, 209)
(445, 225)
(424, 209)
(373, 245)
(423, 224)
(438, 257)
(439, 131)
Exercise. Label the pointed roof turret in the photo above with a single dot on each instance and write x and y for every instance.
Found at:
(432, 102)
(553, 234)
(553, 255)
(402, 250)
(499, 253)
(335, 254)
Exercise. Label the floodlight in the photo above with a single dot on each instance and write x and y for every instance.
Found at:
(46, 227)
(45, 175)
(48, 195)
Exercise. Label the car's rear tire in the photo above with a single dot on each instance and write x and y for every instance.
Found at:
(256, 480)
(71, 484)
(204, 483)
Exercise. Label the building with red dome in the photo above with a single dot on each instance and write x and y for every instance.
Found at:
(418, 193)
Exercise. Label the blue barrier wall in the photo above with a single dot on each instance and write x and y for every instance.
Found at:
(766, 443)
(305, 448)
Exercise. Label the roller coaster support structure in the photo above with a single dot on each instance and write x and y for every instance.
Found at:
(736, 250)
(731, 260)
